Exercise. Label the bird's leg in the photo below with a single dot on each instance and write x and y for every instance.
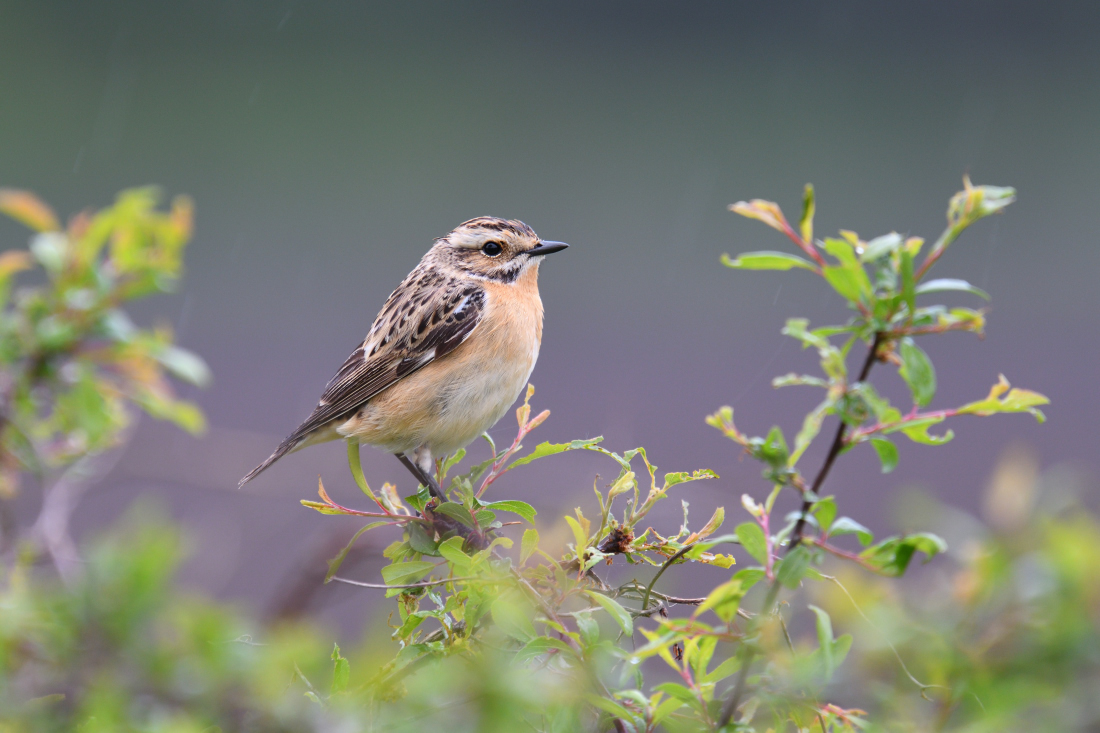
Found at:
(423, 477)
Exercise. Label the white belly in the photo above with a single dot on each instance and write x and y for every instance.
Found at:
(477, 400)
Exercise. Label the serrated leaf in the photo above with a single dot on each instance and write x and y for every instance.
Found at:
(1004, 398)
(549, 449)
(887, 453)
(341, 671)
(621, 615)
(917, 431)
(752, 539)
(681, 477)
(521, 508)
(767, 260)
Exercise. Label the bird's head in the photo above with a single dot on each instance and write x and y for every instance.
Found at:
(494, 249)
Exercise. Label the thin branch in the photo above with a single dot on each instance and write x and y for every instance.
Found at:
(425, 584)
(668, 562)
(834, 450)
(796, 536)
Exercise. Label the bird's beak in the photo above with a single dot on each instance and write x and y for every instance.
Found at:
(545, 248)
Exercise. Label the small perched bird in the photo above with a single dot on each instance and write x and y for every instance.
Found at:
(446, 357)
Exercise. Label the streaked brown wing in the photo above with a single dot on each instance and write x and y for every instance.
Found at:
(415, 344)
(408, 334)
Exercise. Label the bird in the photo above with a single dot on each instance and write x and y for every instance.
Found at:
(448, 354)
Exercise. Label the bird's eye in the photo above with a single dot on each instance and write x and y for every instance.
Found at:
(492, 249)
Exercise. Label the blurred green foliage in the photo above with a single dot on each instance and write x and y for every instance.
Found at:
(493, 628)
(72, 362)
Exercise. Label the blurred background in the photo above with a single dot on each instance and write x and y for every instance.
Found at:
(327, 144)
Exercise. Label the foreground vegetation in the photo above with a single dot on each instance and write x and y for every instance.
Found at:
(493, 631)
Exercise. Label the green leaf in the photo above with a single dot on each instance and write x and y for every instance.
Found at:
(335, 563)
(521, 508)
(678, 691)
(811, 426)
(825, 640)
(341, 671)
(579, 536)
(1003, 399)
(917, 431)
(723, 670)
(824, 510)
(793, 567)
(845, 282)
(610, 706)
(451, 551)
(528, 545)
(752, 539)
(951, 284)
(548, 449)
(879, 247)
(671, 705)
(917, 371)
(887, 453)
(620, 614)
(908, 284)
(847, 525)
(806, 223)
(456, 512)
(892, 555)
(681, 477)
(749, 577)
(541, 645)
(832, 360)
(420, 539)
(513, 617)
(724, 600)
(767, 261)
(403, 573)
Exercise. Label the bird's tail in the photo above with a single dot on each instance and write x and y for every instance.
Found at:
(285, 447)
